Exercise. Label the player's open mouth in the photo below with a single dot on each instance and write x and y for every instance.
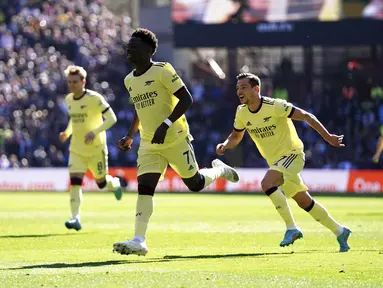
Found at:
(241, 97)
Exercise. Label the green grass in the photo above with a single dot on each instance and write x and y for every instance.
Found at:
(194, 241)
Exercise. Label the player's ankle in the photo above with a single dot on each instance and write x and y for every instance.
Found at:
(292, 227)
(139, 239)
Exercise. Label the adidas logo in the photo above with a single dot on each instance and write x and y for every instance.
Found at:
(82, 106)
(139, 214)
(191, 167)
(130, 89)
(248, 123)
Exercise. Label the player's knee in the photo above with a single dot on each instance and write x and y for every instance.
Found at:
(195, 183)
(267, 185)
(306, 207)
(75, 181)
(145, 190)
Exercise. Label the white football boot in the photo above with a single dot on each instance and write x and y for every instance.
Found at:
(229, 173)
(131, 247)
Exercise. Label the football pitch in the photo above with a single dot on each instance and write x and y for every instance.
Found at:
(194, 240)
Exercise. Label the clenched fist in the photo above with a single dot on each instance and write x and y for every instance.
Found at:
(220, 149)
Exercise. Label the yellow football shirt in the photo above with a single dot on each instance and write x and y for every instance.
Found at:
(152, 94)
(86, 115)
(270, 127)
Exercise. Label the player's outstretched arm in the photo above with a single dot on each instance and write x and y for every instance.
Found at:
(231, 142)
(379, 150)
(125, 143)
(185, 101)
(302, 115)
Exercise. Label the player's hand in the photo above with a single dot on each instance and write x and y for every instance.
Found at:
(125, 143)
(375, 158)
(89, 138)
(63, 137)
(220, 149)
(335, 140)
(159, 135)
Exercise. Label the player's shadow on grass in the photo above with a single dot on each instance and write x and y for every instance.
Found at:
(167, 258)
(86, 264)
(38, 235)
(219, 256)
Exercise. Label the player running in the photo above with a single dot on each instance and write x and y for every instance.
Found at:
(268, 122)
(160, 99)
(88, 147)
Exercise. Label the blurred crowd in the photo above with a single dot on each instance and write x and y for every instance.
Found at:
(39, 39)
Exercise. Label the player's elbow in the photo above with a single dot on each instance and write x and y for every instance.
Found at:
(308, 117)
(111, 116)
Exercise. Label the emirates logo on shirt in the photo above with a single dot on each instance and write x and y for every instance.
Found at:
(263, 132)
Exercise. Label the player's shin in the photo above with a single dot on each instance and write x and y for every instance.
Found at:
(280, 202)
(144, 209)
(75, 200)
(211, 174)
(320, 214)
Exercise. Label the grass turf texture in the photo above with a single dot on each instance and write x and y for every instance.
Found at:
(194, 241)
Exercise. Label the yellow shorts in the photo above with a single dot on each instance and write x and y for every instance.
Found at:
(290, 166)
(97, 163)
(180, 157)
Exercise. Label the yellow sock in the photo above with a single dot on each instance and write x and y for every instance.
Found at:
(280, 202)
(144, 209)
(320, 214)
(75, 200)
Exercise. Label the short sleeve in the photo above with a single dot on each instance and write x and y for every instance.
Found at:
(170, 79)
(102, 105)
(238, 123)
(282, 108)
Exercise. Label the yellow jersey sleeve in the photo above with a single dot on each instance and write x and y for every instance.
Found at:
(170, 79)
(238, 123)
(282, 108)
(102, 105)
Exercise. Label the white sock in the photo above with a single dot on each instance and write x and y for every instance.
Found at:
(111, 182)
(75, 200)
(211, 174)
(144, 209)
(320, 214)
(280, 202)
(139, 239)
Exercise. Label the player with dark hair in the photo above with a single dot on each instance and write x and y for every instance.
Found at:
(160, 99)
(268, 122)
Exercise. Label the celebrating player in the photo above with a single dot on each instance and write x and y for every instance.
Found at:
(268, 122)
(160, 99)
(88, 147)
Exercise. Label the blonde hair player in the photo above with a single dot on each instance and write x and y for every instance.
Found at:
(268, 122)
(90, 116)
